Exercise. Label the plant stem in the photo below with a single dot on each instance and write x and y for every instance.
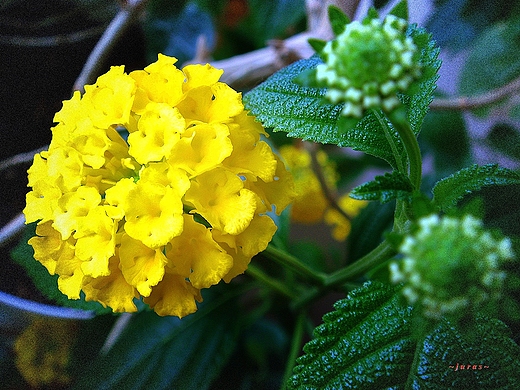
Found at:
(401, 124)
(295, 347)
(372, 259)
(286, 259)
(275, 285)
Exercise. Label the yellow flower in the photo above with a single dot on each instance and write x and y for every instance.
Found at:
(310, 205)
(43, 352)
(177, 206)
(340, 225)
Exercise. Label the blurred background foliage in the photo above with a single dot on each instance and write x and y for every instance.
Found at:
(43, 46)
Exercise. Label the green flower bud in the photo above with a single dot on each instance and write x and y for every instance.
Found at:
(367, 64)
(451, 266)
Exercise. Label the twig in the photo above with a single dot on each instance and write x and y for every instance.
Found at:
(114, 31)
(473, 102)
(115, 333)
(53, 40)
(331, 197)
(13, 228)
(21, 158)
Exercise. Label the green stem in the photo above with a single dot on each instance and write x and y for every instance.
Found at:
(401, 124)
(265, 279)
(286, 259)
(371, 260)
(296, 344)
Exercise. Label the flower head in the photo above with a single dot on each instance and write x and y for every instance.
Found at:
(43, 352)
(310, 204)
(169, 209)
(367, 64)
(451, 266)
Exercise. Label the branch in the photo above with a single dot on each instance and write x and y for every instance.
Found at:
(12, 229)
(21, 158)
(247, 70)
(473, 102)
(53, 40)
(124, 18)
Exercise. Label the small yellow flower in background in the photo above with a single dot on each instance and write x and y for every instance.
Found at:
(340, 225)
(43, 352)
(310, 205)
(176, 207)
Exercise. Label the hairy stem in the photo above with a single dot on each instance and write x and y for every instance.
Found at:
(401, 124)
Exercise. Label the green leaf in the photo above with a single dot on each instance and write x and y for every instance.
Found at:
(400, 10)
(168, 353)
(367, 343)
(300, 111)
(46, 283)
(444, 135)
(421, 93)
(466, 20)
(450, 190)
(497, 48)
(368, 228)
(385, 188)
(267, 20)
(338, 20)
(317, 44)
(505, 139)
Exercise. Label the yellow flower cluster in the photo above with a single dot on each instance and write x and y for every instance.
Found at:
(174, 208)
(43, 352)
(310, 205)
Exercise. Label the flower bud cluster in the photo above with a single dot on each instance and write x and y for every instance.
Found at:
(367, 64)
(451, 266)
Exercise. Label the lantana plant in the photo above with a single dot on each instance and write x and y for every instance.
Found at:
(161, 183)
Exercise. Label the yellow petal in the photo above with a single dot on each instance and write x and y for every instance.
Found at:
(72, 207)
(110, 99)
(219, 196)
(198, 75)
(111, 290)
(46, 244)
(161, 81)
(174, 296)
(96, 241)
(159, 128)
(153, 213)
(195, 255)
(201, 148)
(141, 266)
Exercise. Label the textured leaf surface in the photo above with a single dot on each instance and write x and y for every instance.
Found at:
(168, 353)
(385, 188)
(419, 101)
(283, 105)
(447, 192)
(367, 344)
